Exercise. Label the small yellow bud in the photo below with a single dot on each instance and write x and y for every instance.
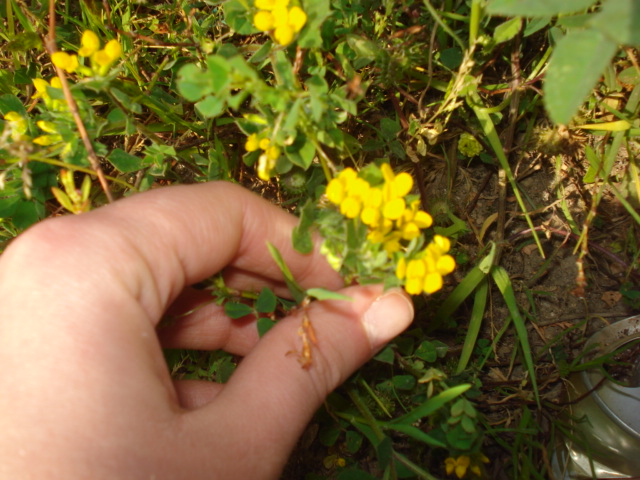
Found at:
(284, 35)
(297, 18)
(264, 144)
(113, 49)
(90, 44)
(252, 143)
(263, 21)
(63, 60)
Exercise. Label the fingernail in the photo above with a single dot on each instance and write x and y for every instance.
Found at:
(387, 316)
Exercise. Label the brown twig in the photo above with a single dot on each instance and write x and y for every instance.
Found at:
(507, 145)
(50, 43)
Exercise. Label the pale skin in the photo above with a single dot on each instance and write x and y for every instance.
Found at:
(86, 393)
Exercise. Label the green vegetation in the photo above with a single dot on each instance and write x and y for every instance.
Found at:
(407, 133)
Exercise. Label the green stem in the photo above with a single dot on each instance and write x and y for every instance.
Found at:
(77, 168)
(370, 420)
(494, 140)
(444, 26)
(474, 21)
(324, 159)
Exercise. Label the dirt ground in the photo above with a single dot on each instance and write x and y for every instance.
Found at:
(560, 315)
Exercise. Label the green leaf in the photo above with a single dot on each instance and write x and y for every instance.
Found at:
(267, 301)
(534, 25)
(575, 66)
(8, 204)
(21, 42)
(304, 154)
(301, 235)
(384, 450)
(595, 165)
(324, 294)
(317, 11)
(389, 128)
(211, 106)
(237, 310)
(431, 405)
(465, 287)
(501, 277)
(468, 425)
(404, 382)
(193, 83)
(475, 322)
(507, 30)
(219, 72)
(417, 434)
(459, 439)
(238, 17)
(386, 356)
(537, 8)
(431, 350)
(264, 325)
(620, 21)
(125, 162)
(457, 408)
(26, 214)
(353, 441)
(297, 292)
(11, 103)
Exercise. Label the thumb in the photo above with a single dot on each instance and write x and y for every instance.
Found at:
(270, 398)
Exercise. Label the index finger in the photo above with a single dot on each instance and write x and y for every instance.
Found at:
(158, 242)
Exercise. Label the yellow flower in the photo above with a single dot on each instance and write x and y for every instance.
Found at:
(337, 188)
(424, 272)
(396, 185)
(349, 192)
(413, 221)
(275, 16)
(103, 59)
(18, 126)
(263, 21)
(462, 463)
(297, 18)
(265, 167)
(42, 86)
(264, 143)
(90, 44)
(458, 465)
(284, 35)
(270, 4)
(53, 136)
(63, 60)
(252, 144)
(113, 49)
(267, 162)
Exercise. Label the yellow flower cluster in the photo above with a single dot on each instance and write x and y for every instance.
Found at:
(461, 464)
(424, 273)
(42, 87)
(17, 126)
(268, 158)
(277, 18)
(101, 59)
(383, 209)
(393, 221)
(52, 136)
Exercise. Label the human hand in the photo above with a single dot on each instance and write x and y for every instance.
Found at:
(85, 389)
